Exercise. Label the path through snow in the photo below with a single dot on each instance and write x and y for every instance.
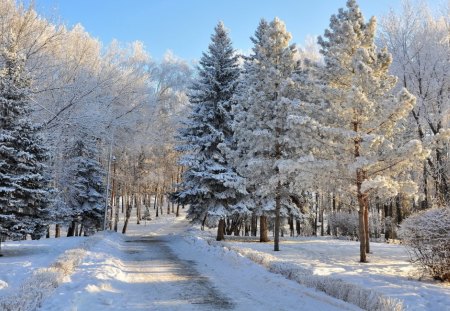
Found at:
(155, 267)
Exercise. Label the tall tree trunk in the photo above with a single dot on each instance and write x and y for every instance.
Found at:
(220, 230)
(47, 236)
(362, 198)
(263, 229)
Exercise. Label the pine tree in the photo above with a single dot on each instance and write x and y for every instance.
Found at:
(23, 181)
(210, 184)
(264, 104)
(84, 185)
(357, 119)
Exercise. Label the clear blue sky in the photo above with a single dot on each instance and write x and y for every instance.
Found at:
(185, 26)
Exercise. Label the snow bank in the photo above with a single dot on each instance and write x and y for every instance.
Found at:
(44, 280)
(352, 293)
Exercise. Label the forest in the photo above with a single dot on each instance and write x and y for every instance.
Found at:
(346, 137)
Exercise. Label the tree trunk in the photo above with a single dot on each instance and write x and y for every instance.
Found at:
(297, 226)
(138, 209)
(424, 203)
(47, 236)
(366, 225)
(276, 244)
(263, 229)
(221, 230)
(362, 198)
(247, 227)
(127, 218)
(156, 205)
(71, 230)
(116, 217)
(254, 225)
(57, 230)
(204, 222)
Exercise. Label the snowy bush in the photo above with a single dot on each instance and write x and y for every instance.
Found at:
(427, 237)
(347, 223)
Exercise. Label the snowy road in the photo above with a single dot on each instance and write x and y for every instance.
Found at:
(166, 271)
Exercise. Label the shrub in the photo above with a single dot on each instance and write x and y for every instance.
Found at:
(347, 223)
(427, 237)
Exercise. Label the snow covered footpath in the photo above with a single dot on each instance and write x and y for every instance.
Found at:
(165, 264)
(31, 270)
(388, 281)
(161, 266)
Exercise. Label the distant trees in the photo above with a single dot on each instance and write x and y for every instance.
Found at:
(210, 184)
(419, 44)
(93, 97)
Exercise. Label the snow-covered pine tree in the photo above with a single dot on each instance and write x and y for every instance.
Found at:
(210, 185)
(23, 180)
(264, 104)
(83, 184)
(357, 118)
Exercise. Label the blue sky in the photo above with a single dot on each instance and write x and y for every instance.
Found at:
(185, 26)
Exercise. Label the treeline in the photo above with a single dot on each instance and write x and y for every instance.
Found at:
(77, 118)
(348, 140)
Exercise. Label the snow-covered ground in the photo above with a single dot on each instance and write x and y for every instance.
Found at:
(165, 264)
(159, 266)
(21, 258)
(388, 272)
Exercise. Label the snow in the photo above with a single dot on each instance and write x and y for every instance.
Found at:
(388, 272)
(161, 266)
(21, 258)
(166, 264)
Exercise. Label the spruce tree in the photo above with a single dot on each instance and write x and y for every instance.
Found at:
(23, 181)
(264, 104)
(84, 185)
(210, 184)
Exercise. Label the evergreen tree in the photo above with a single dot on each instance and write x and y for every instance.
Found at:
(210, 184)
(23, 182)
(83, 184)
(264, 104)
(354, 119)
